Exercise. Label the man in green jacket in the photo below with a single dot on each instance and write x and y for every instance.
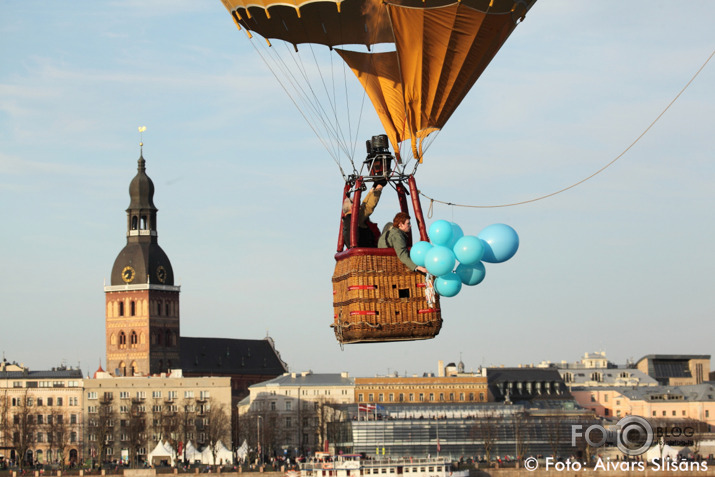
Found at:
(396, 237)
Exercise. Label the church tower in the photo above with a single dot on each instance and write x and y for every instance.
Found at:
(142, 302)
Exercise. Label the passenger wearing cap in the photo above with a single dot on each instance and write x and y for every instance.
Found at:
(366, 236)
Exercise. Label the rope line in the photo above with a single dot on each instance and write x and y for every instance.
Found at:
(433, 200)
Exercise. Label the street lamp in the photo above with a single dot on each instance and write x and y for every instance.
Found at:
(258, 437)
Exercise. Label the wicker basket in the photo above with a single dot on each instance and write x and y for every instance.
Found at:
(376, 298)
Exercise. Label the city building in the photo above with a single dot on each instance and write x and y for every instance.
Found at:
(288, 415)
(482, 432)
(526, 384)
(605, 377)
(143, 332)
(676, 369)
(421, 389)
(40, 414)
(125, 417)
(691, 402)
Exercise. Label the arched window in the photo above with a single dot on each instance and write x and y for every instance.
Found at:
(112, 339)
(123, 368)
(142, 338)
(134, 368)
(133, 340)
(122, 340)
(143, 222)
(135, 222)
(133, 308)
(121, 308)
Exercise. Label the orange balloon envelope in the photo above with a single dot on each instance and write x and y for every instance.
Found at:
(440, 49)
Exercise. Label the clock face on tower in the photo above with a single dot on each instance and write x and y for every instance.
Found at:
(128, 274)
(161, 274)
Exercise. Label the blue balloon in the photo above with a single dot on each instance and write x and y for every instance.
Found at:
(439, 260)
(448, 285)
(456, 234)
(471, 275)
(469, 250)
(502, 242)
(440, 232)
(419, 251)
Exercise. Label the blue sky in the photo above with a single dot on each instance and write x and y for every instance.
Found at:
(249, 200)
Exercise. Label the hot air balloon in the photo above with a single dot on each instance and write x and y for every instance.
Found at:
(415, 60)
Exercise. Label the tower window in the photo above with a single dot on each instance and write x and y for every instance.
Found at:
(133, 306)
(122, 340)
(121, 308)
(135, 222)
(143, 223)
(133, 339)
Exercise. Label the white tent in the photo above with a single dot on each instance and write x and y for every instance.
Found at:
(223, 455)
(191, 453)
(162, 452)
(242, 451)
(668, 453)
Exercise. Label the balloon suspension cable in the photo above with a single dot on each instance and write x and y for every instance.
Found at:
(645, 131)
(306, 99)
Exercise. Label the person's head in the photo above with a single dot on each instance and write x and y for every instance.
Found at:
(402, 221)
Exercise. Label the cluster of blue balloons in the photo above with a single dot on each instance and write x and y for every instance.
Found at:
(497, 243)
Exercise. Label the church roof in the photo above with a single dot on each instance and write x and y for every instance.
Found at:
(222, 356)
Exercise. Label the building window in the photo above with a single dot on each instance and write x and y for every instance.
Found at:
(49, 401)
(380, 398)
(122, 340)
(422, 397)
(91, 395)
(273, 405)
(133, 339)
(289, 406)
(121, 308)
(370, 397)
(431, 396)
(59, 401)
(593, 398)
(360, 397)
(133, 308)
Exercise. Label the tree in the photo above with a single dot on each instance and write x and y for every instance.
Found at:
(24, 426)
(521, 435)
(185, 424)
(58, 433)
(216, 425)
(485, 431)
(101, 429)
(325, 412)
(170, 428)
(554, 433)
(136, 430)
(4, 420)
